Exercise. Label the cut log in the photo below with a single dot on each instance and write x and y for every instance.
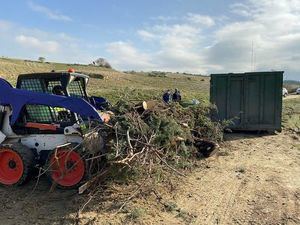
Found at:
(146, 105)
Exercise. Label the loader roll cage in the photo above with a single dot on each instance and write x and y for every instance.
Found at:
(72, 84)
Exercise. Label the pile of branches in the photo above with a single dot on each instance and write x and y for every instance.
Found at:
(153, 128)
(146, 135)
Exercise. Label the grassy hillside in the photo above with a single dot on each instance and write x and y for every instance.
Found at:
(291, 114)
(113, 84)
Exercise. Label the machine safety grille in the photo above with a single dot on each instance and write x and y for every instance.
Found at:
(75, 89)
(51, 85)
(32, 85)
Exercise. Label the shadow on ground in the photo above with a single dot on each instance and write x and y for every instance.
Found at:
(241, 135)
(37, 205)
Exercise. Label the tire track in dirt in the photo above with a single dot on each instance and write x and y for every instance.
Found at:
(256, 183)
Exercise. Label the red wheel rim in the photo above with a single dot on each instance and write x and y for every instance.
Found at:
(11, 167)
(67, 168)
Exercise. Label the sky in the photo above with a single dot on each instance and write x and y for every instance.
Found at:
(193, 36)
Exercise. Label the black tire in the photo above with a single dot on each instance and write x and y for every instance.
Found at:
(28, 159)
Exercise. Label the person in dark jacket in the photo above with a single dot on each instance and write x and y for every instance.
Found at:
(167, 97)
(176, 96)
(58, 90)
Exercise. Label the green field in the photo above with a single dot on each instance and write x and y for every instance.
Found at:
(114, 84)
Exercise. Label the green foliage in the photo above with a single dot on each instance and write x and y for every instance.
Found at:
(157, 74)
(41, 59)
(166, 130)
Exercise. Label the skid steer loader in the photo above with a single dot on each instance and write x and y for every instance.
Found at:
(43, 123)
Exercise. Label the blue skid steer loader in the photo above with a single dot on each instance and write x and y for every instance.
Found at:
(43, 123)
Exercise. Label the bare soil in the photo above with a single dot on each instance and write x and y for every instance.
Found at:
(253, 179)
(292, 96)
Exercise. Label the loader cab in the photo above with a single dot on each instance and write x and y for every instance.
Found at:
(71, 84)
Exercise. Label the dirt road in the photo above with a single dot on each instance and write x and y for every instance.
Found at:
(258, 182)
(253, 180)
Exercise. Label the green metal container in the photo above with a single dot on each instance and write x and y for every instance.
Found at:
(253, 101)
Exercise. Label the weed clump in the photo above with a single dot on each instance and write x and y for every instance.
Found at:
(157, 74)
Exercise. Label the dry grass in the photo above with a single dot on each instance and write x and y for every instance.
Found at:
(291, 115)
(113, 84)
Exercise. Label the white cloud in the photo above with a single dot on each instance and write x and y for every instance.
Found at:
(146, 35)
(272, 26)
(240, 9)
(21, 42)
(126, 56)
(179, 36)
(178, 46)
(202, 44)
(163, 18)
(54, 15)
(200, 19)
(34, 43)
(66, 37)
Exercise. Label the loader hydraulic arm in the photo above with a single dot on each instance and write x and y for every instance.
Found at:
(18, 98)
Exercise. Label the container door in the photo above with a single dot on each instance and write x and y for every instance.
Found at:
(235, 107)
(270, 88)
(218, 95)
(263, 101)
(253, 92)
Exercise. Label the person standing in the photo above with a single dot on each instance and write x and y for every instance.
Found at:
(176, 96)
(167, 97)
